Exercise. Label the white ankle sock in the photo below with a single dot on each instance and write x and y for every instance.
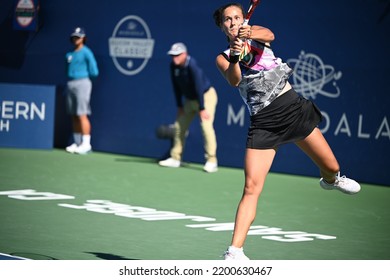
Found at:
(232, 248)
(86, 139)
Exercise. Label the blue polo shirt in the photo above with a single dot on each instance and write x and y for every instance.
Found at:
(189, 81)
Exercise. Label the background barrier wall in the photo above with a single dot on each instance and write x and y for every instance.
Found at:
(338, 49)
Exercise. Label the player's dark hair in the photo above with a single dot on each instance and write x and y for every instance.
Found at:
(218, 12)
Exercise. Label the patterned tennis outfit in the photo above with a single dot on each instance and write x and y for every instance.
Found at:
(276, 118)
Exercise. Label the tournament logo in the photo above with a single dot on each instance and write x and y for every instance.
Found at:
(131, 45)
(25, 12)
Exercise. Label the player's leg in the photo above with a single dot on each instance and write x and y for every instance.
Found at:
(257, 166)
(318, 149)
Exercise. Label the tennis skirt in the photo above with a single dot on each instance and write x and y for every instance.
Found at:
(288, 119)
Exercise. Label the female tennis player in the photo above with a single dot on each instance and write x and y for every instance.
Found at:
(278, 116)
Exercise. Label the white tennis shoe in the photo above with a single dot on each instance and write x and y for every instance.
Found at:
(72, 148)
(170, 162)
(233, 253)
(343, 184)
(83, 149)
(210, 167)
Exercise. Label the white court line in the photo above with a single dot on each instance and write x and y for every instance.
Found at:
(9, 257)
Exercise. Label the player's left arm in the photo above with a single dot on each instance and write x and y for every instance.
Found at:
(257, 33)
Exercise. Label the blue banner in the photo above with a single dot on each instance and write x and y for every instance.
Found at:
(27, 116)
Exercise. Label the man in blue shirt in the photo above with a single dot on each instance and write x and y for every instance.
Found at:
(194, 96)
(81, 66)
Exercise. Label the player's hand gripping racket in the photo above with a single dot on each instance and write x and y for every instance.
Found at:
(252, 6)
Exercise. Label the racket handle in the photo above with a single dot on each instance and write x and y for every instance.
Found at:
(243, 24)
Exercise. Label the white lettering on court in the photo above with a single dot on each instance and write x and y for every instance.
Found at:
(151, 214)
(29, 194)
(270, 233)
(136, 212)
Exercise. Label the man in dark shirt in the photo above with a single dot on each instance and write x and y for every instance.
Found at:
(194, 95)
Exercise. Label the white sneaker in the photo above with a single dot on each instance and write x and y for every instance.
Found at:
(170, 162)
(72, 148)
(83, 149)
(343, 184)
(234, 253)
(210, 167)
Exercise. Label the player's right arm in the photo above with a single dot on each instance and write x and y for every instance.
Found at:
(230, 71)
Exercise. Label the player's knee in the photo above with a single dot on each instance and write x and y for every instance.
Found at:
(332, 167)
(252, 187)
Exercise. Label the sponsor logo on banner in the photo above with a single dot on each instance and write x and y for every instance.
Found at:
(26, 115)
(311, 77)
(131, 45)
(26, 14)
(20, 110)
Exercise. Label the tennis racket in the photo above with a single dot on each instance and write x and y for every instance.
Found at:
(252, 6)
